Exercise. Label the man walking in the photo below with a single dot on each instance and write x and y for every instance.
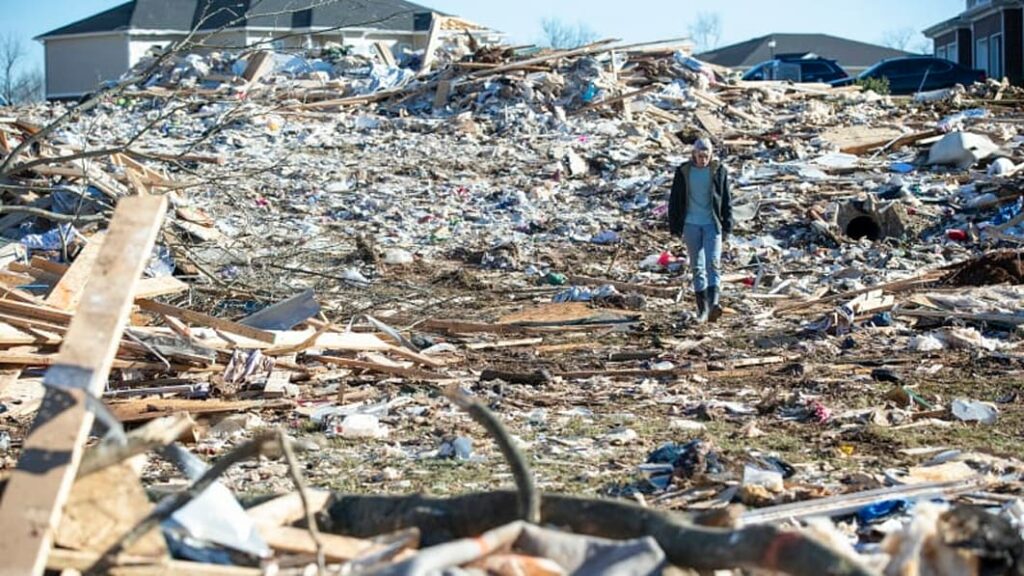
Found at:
(700, 210)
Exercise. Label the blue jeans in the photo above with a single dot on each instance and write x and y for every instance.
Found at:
(704, 245)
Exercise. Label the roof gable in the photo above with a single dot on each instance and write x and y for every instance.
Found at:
(848, 53)
(181, 15)
(116, 18)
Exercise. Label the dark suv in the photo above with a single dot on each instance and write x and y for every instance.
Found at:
(798, 68)
(914, 74)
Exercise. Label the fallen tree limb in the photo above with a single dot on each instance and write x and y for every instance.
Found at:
(685, 545)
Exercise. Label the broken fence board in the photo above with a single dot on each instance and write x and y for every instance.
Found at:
(37, 490)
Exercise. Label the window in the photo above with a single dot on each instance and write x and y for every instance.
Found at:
(952, 52)
(755, 73)
(995, 56)
(813, 71)
(940, 52)
(981, 55)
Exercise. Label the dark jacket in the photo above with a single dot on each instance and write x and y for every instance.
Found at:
(721, 198)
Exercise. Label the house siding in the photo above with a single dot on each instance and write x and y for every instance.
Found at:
(76, 66)
(141, 44)
(1013, 41)
(945, 39)
(988, 26)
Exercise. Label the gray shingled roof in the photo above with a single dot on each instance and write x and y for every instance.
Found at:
(213, 14)
(848, 53)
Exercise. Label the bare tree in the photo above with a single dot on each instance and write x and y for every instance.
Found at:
(899, 38)
(11, 52)
(17, 85)
(924, 45)
(558, 34)
(706, 31)
(29, 86)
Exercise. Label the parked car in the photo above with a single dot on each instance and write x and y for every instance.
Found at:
(798, 68)
(912, 74)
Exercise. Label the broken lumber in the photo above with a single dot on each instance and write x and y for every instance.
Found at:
(206, 320)
(37, 490)
(378, 367)
(69, 289)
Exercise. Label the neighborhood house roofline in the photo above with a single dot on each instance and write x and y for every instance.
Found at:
(967, 18)
(127, 16)
(314, 30)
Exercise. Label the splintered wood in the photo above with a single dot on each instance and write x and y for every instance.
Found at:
(38, 489)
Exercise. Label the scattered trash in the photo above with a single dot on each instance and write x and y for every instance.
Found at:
(975, 411)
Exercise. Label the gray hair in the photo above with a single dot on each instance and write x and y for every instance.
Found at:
(703, 144)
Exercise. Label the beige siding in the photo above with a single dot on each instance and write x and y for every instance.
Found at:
(141, 44)
(75, 66)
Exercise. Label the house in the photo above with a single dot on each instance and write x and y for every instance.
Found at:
(988, 35)
(852, 55)
(104, 46)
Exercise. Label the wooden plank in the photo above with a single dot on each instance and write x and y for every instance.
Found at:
(287, 509)
(443, 93)
(37, 490)
(433, 42)
(377, 367)
(147, 287)
(33, 324)
(258, 67)
(895, 286)
(504, 344)
(384, 51)
(1008, 320)
(14, 279)
(617, 99)
(843, 504)
(102, 508)
(160, 286)
(78, 561)
(40, 275)
(69, 289)
(298, 541)
(710, 123)
(50, 266)
(206, 320)
(415, 357)
(28, 359)
(146, 409)
(595, 48)
(35, 311)
(559, 348)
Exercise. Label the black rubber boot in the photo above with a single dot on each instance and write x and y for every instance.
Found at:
(714, 308)
(702, 306)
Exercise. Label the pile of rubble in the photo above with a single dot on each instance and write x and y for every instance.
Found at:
(353, 245)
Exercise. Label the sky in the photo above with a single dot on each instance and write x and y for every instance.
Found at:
(633, 21)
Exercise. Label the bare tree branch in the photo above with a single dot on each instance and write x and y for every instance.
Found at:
(899, 38)
(562, 36)
(706, 31)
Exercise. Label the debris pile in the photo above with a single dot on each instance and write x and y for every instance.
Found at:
(255, 271)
